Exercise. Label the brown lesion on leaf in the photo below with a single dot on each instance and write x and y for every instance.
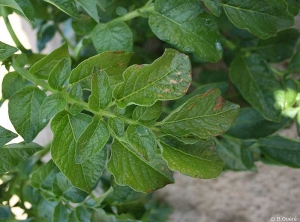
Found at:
(219, 104)
(167, 91)
(138, 66)
(173, 81)
(118, 52)
(210, 92)
(191, 106)
(121, 64)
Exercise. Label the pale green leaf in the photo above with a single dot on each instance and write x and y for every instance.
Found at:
(6, 136)
(91, 8)
(43, 67)
(60, 74)
(76, 92)
(6, 50)
(67, 130)
(282, 150)
(67, 6)
(291, 92)
(101, 91)
(13, 154)
(52, 105)
(142, 140)
(92, 140)
(113, 63)
(23, 6)
(198, 160)
(256, 82)
(12, 83)
(185, 24)
(205, 116)
(167, 78)
(75, 108)
(23, 110)
(249, 15)
(149, 114)
(214, 6)
(116, 126)
(60, 213)
(132, 170)
(112, 36)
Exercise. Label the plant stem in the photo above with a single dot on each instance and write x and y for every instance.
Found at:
(13, 35)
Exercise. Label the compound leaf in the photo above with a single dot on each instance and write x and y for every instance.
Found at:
(130, 169)
(6, 50)
(23, 110)
(256, 82)
(112, 36)
(197, 160)
(249, 15)
(204, 116)
(185, 24)
(6, 136)
(167, 78)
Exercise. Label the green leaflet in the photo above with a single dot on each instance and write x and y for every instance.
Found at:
(67, 6)
(291, 92)
(256, 82)
(13, 154)
(197, 160)
(43, 67)
(92, 140)
(294, 65)
(60, 213)
(84, 25)
(6, 136)
(23, 110)
(52, 105)
(76, 92)
(250, 124)
(167, 78)
(149, 114)
(23, 6)
(214, 6)
(12, 82)
(6, 50)
(132, 170)
(67, 130)
(283, 150)
(142, 140)
(113, 63)
(90, 7)
(280, 47)
(101, 91)
(116, 126)
(45, 209)
(204, 116)
(293, 6)
(60, 74)
(112, 36)
(249, 15)
(83, 214)
(185, 24)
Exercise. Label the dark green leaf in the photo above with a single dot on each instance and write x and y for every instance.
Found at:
(76, 92)
(293, 6)
(67, 130)
(45, 33)
(142, 140)
(185, 24)
(149, 114)
(60, 213)
(44, 176)
(291, 92)
(116, 126)
(43, 67)
(92, 140)
(91, 8)
(100, 215)
(214, 6)
(198, 160)
(5, 213)
(249, 15)
(12, 83)
(84, 25)
(23, 6)
(113, 63)
(282, 150)
(294, 65)
(6, 136)
(167, 78)
(129, 168)
(250, 124)
(45, 210)
(67, 6)
(60, 74)
(52, 105)
(83, 214)
(23, 110)
(258, 85)
(6, 50)
(13, 154)
(112, 36)
(280, 47)
(204, 116)
(101, 91)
